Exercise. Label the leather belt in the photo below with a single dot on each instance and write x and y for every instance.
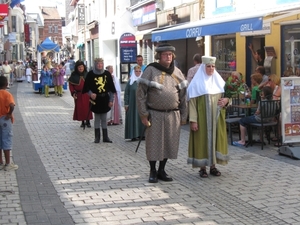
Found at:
(163, 110)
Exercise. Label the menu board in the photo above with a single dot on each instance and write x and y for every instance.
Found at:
(290, 109)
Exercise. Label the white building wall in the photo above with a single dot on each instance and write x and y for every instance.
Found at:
(111, 27)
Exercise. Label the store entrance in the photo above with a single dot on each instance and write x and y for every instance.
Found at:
(258, 44)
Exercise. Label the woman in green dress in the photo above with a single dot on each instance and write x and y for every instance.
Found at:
(207, 109)
(133, 125)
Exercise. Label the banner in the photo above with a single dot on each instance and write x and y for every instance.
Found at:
(3, 11)
(27, 33)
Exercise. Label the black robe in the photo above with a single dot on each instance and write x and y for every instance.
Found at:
(103, 86)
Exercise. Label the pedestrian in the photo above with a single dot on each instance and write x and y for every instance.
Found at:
(45, 80)
(192, 71)
(28, 73)
(161, 101)
(55, 78)
(60, 79)
(6, 71)
(133, 124)
(7, 105)
(114, 116)
(139, 62)
(81, 100)
(67, 69)
(100, 87)
(208, 137)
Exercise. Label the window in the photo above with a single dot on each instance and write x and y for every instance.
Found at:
(55, 29)
(14, 24)
(224, 49)
(50, 29)
(291, 50)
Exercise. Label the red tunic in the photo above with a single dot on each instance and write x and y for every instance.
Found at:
(81, 103)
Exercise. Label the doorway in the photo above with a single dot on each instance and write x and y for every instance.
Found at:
(258, 43)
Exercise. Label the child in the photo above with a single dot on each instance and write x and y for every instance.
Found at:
(266, 94)
(256, 79)
(60, 79)
(7, 106)
(45, 80)
(55, 74)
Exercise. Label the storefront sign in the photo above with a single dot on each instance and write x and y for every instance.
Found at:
(143, 15)
(207, 27)
(266, 29)
(128, 48)
(290, 100)
(81, 14)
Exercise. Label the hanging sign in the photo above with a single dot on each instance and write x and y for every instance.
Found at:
(81, 14)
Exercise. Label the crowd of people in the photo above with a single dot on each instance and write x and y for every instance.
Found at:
(158, 99)
(18, 71)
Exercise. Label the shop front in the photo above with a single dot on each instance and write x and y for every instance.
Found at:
(219, 35)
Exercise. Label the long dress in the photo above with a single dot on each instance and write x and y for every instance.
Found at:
(82, 103)
(211, 129)
(208, 145)
(133, 125)
(162, 91)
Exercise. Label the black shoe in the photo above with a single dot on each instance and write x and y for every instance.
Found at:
(88, 124)
(162, 175)
(134, 139)
(153, 177)
(82, 124)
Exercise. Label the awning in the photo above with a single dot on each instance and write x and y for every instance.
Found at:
(212, 26)
(15, 2)
(80, 45)
(143, 34)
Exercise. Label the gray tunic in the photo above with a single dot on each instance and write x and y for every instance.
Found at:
(159, 91)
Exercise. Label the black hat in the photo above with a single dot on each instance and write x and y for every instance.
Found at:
(165, 47)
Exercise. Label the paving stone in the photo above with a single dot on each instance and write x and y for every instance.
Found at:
(65, 178)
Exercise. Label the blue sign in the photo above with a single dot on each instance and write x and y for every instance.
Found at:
(128, 55)
(194, 31)
(128, 48)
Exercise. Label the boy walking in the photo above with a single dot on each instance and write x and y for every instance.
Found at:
(7, 105)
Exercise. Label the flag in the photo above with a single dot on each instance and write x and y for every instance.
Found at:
(15, 3)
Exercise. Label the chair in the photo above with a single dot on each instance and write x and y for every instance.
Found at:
(269, 110)
(233, 116)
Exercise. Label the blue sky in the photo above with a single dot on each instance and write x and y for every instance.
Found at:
(32, 5)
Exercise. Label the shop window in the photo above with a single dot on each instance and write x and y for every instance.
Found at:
(291, 62)
(224, 49)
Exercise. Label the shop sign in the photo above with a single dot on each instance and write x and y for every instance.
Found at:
(128, 48)
(81, 14)
(143, 15)
(290, 109)
(266, 29)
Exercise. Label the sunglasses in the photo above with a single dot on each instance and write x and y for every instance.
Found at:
(138, 71)
(210, 66)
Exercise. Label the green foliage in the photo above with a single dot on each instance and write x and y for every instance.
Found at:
(233, 86)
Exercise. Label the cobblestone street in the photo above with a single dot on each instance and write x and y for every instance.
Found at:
(65, 178)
